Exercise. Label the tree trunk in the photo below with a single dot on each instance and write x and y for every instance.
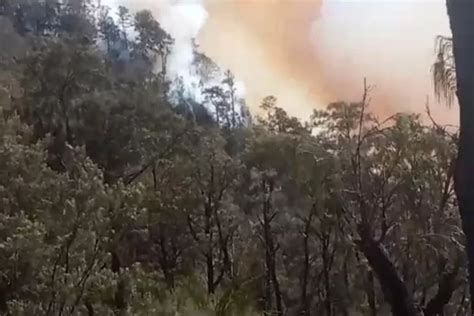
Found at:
(270, 250)
(210, 251)
(165, 258)
(119, 299)
(370, 290)
(305, 310)
(393, 287)
(326, 270)
(461, 14)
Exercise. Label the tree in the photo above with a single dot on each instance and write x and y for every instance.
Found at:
(153, 41)
(57, 78)
(211, 224)
(124, 22)
(461, 16)
(108, 30)
(54, 250)
(118, 197)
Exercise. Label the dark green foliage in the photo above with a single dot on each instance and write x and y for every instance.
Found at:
(118, 197)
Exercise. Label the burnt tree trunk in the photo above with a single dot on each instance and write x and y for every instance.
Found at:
(461, 15)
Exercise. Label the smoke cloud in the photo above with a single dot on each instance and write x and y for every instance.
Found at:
(182, 20)
(267, 43)
(389, 42)
(312, 52)
(309, 53)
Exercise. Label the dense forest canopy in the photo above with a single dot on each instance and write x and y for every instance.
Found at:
(122, 193)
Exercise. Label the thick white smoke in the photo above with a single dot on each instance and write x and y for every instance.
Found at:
(183, 20)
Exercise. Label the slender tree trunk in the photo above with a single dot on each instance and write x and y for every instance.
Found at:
(119, 299)
(210, 252)
(461, 14)
(305, 308)
(223, 243)
(326, 270)
(165, 260)
(270, 249)
(371, 294)
(276, 285)
(268, 289)
(347, 282)
(304, 281)
(232, 100)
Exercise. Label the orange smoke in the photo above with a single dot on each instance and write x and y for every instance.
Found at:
(267, 44)
(308, 53)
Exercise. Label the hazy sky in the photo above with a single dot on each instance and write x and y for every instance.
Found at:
(311, 52)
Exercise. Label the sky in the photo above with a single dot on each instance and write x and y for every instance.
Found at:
(308, 53)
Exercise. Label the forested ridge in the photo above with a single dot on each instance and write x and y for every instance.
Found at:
(122, 193)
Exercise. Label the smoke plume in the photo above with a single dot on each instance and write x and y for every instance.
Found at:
(312, 52)
(309, 53)
(267, 43)
(389, 42)
(182, 20)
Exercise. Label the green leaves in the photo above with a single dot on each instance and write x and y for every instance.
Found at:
(113, 202)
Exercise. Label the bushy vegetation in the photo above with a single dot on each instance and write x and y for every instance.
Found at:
(121, 196)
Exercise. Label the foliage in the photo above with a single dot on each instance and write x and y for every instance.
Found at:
(115, 202)
(444, 72)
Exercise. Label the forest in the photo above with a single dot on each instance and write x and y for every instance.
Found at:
(122, 194)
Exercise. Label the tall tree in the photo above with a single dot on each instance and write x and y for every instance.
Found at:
(461, 16)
